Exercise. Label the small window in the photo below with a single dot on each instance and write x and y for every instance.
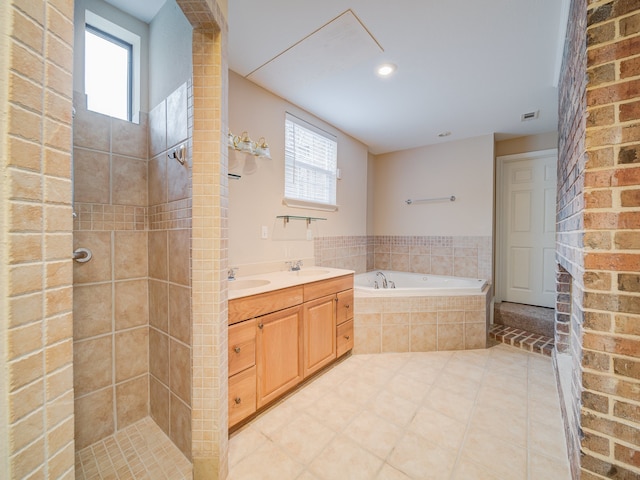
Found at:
(108, 73)
(310, 165)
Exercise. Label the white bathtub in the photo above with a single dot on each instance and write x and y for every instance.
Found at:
(415, 285)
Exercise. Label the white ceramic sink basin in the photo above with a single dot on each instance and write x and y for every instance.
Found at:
(310, 272)
(252, 283)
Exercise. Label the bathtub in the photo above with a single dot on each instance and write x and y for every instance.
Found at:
(423, 313)
(416, 285)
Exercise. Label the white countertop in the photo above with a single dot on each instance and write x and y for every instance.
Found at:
(267, 282)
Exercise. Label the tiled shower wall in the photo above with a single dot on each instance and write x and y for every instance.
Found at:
(36, 414)
(468, 256)
(169, 189)
(110, 323)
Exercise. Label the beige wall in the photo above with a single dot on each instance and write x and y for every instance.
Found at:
(463, 168)
(256, 199)
(529, 143)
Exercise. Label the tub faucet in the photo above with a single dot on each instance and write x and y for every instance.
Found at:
(384, 279)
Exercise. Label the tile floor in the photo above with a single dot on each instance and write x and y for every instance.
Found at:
(469, 415)
(489, 414)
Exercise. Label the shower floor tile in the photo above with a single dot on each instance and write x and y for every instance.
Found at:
(464, 415)
(140, 451)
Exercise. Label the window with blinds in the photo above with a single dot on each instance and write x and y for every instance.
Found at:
(310, 165)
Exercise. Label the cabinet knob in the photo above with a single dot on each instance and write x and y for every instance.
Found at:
(236, 349)
(260, 325)
(347, 306)
(347, 337)
(238, 400)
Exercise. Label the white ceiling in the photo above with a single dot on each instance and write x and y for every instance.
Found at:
(465, 66)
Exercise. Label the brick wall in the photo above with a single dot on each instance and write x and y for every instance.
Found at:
(599, 197)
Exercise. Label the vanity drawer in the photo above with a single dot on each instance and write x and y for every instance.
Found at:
(242, 395)
(255, 305)
(242, 346)
(327, 287)
(344, 338)
(344, 310)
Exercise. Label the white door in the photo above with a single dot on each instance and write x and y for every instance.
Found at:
(526, 228)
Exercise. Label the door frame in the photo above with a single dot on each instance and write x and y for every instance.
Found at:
(500, 262)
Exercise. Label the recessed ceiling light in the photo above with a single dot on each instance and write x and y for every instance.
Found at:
(386, 69)
(444, 134)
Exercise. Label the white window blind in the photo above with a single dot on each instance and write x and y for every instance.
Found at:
(310, 165)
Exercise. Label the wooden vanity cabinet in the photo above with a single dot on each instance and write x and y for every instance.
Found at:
(278, 338)
(279, 353)
(319, 333)
(242, 371)
(344, 328)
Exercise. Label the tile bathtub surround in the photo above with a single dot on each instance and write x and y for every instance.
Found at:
(419, 324)
(490, 414)
(452, 256)
(35, 266)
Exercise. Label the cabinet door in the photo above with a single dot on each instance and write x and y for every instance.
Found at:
(279, 353)
(319, 333)
(344, 309)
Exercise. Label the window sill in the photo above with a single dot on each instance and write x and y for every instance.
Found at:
(290, 202)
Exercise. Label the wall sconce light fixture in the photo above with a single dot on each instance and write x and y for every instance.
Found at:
(244, 144)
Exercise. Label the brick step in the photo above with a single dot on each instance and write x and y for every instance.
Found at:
(530, 318)
(516, 337)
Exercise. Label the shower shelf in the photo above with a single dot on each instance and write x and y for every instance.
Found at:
(286, 219)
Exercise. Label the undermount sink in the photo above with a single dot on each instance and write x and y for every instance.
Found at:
(311, 271)
(242, 284)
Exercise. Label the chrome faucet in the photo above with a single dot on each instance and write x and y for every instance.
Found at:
(294, 266)
(384, 279)
(231, 273)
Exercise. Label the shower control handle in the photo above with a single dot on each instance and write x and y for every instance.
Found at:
(82, 255)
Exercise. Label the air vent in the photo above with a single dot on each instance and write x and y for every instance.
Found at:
(529, 116)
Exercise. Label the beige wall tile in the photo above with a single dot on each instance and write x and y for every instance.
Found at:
(60, 408)
(159, 404)
(26, 430)
(177, 116)
(59, 355)
(158, 245)
(92, 360)
(58, 437)
(441, 265)
(129, 181)
(424, 338)
(159, 305)
(159, 355)
(128, 138)
(58, 328)
(26, 400)
(181, 425)
(178, 183)
(25, 309)
(23, 154)
(24, 339)
(475, 335)
(451, 337)
(99, 268)
(93, 417)
(24, 463)
(465, 267)
(395, 338)
(451, 317)
(131, 304)
(158, 129)
(58, 245)
(132, 401)
(59, 382)
(419, 318)
(25, 370)
(24, 185)
(92, 310)
(157, 183)
(25, 247)
(59, 273)
(91, 176)
(91, 130)
(58, 301)
(179, 256)
(25, 217)
(180, 371)
(180, 313)
(131, 257)
(132, 353)
(420, 264)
